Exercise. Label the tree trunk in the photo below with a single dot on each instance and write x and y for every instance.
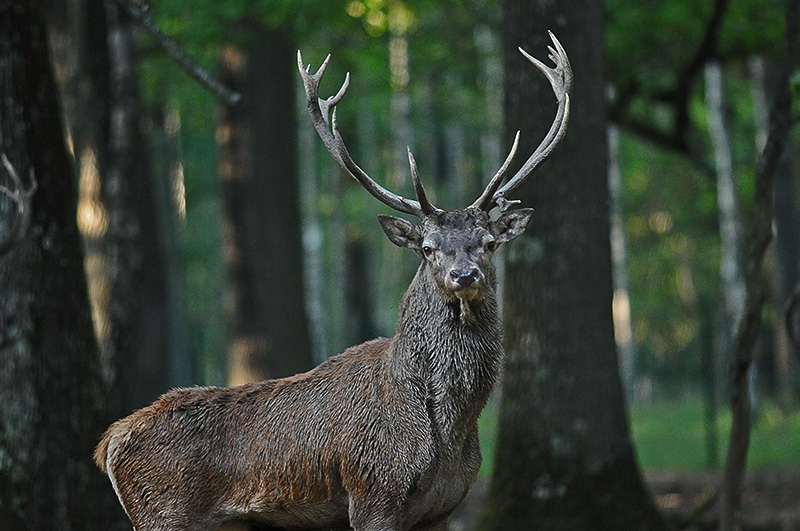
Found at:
(138, 317)
(125, 221)
(564, 454)
(730, 269)
(52, 399)
(621, 307)
(359, 309)
(758, 237)
(263, 249)
(780, 366)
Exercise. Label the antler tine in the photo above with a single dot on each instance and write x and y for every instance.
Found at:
(427, 206)
(318, 108)
(483, 202)
(320, 111)
(560, 79)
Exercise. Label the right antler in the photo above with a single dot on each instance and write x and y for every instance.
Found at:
(22, 199)
(561, 80)
(320, 111)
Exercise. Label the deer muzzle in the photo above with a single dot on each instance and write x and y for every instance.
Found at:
(465, 278)
(465, 282)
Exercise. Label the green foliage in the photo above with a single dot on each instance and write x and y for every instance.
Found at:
(650, 43)
(670, 222)
(753, 26)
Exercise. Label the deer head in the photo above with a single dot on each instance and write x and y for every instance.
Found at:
(455, 244)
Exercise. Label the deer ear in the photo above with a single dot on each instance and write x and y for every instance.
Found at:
(400, 232)
(511, 224)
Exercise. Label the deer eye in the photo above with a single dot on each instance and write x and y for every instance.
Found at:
(427, 250)
(490, 246)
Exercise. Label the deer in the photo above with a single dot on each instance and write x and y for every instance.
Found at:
(382, 437)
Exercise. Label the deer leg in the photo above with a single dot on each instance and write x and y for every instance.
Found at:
(377, 514)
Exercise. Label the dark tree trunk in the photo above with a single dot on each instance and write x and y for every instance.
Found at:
(138, 318)
(263, 248)
(125, 219)
(564, 454)
(52, 399)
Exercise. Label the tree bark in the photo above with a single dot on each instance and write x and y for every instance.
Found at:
(52, 398)
(135, 319)
(263, 251)
(564, 454)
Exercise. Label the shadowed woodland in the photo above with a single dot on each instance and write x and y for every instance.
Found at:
(169, 218)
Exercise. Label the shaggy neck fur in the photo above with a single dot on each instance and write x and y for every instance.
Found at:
(454, 357)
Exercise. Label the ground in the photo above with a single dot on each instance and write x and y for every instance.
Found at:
(771, 500)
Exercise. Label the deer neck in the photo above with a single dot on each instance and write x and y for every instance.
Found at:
(453, 357)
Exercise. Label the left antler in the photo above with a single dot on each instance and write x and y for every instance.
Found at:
(320, 111)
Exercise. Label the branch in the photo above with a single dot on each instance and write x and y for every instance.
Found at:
(139, 11)
(22, 199)
(678, 96)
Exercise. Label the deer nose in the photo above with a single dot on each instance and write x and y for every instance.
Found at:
(465, 278)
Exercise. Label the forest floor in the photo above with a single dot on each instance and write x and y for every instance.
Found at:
(771, 500)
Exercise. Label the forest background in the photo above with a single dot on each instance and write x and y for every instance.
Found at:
(222, 245)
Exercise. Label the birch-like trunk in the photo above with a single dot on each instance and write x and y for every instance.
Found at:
(621, 305)
(730, 269)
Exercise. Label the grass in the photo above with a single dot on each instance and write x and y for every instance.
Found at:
(669, 435)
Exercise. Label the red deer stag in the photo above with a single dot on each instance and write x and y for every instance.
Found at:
(381, 437)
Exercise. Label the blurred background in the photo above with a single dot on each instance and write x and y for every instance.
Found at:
(429, 75)
(223, 245)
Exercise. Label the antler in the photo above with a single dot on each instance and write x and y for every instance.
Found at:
(320, 110)
(561, 80)
(22, 199)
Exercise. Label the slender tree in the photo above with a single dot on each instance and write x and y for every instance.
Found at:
(757, 239)
(141, 321)
(564, 454)
(52, 399)
(730, 266)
